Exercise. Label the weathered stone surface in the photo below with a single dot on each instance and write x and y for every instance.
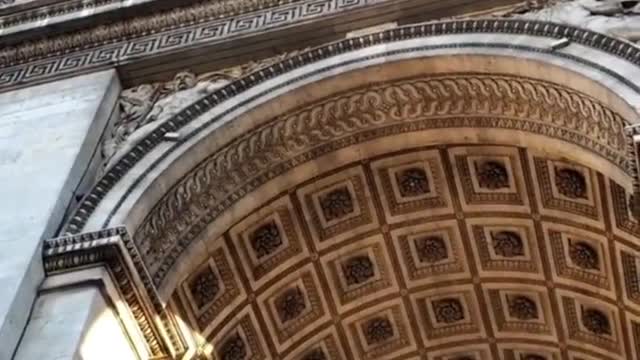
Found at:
(48, 135)
(74, 323)
(613, 17)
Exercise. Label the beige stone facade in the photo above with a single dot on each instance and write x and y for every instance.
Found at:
(320, 179)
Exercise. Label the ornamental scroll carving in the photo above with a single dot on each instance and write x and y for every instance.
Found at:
(148, 103)
(457, 100)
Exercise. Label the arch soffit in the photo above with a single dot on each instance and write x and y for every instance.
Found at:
(140, 188)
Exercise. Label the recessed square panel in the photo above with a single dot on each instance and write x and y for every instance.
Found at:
(382, 331)
(516, 351)
(240, 339)
(431, 252)
(629, 268)
(591, 324)
(489, 178)
(468, 352)
(567, 188)
(268, 239)
(633, 328)
(520, 310)
(294, 306)
(338, 207)
(579, 258)
(212, 290)
(625, 224)
(505, 247)
(412, 185)
(324, 345)
(362, 269)
(448, 314)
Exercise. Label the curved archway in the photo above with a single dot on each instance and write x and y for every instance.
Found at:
(464, 134)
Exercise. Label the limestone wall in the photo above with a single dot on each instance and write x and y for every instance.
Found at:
(48, 137)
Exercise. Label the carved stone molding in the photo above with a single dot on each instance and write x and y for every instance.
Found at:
(113, 249)
(191, 208)
(69, 54)
(148, 103)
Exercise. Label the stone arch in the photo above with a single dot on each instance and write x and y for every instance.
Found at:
(540, 101)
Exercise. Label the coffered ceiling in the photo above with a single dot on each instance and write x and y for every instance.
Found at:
(455, 251)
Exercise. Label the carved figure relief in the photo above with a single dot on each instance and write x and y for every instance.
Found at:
(507, 244)
(448, 311)
(148, 103)
(618, 18)
(378, 330)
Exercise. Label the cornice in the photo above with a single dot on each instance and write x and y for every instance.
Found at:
(621, 49)
(113, 249)
(11, 18)
(199, 25)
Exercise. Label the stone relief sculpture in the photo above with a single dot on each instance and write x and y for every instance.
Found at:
(619, 18)
(147, 103)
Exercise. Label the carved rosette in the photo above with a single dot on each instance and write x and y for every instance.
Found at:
(204, 287)
(378, 330)
(315, 354)
(571, 183)
(522, 308)
(507, 244)
(233, 348)
(336, 204)
(265, 240)
(358, 270)
(290, 304)
(533, 357)
(448, 311)
(584, 255)
(412, 182)
(492, 175)
(431, 249)
(596, 322)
